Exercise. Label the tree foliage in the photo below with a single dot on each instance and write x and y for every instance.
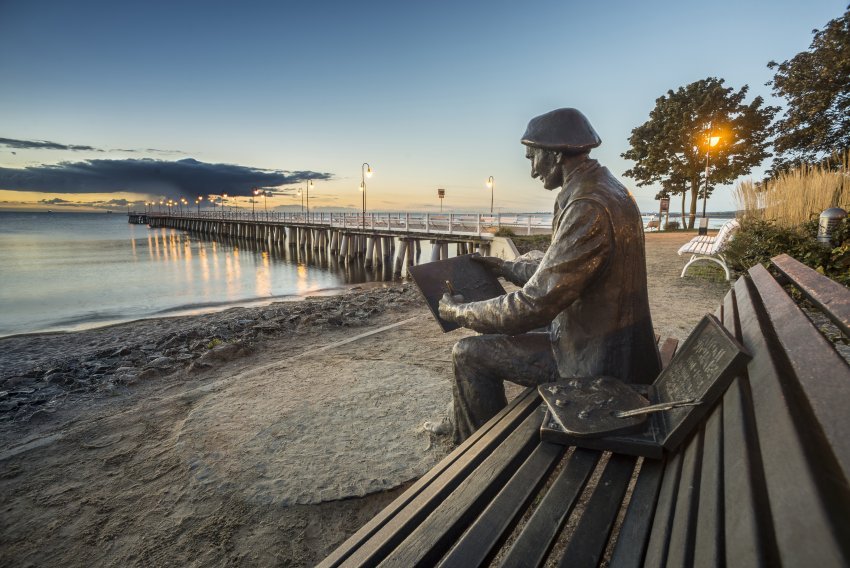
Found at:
(816, 87)
(670, 148)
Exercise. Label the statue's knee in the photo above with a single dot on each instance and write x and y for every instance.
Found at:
(462, 350)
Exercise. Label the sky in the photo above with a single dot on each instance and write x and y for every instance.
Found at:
(107, 103)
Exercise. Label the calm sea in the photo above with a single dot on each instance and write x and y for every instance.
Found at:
(69, 271)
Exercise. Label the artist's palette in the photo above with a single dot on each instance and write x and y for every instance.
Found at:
(587, 407)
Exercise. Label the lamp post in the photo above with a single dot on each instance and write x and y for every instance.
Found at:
(198, 201)
(301, 193)
(309, 184)
(711, 143)
(253, 200)
(491, 183)
(265, 205)
(365, 171)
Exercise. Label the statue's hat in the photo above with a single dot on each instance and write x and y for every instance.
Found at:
(562, 130)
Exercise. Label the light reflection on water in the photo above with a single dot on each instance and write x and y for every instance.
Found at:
(71, 271)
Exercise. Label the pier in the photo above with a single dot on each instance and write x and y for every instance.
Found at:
(373, 239)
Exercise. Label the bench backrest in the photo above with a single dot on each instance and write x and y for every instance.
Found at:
(724, 235)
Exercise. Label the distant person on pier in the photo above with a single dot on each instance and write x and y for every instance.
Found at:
(589, 287)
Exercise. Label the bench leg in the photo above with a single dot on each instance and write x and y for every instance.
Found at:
(718, 259)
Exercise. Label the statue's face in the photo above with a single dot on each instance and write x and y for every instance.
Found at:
(545, 165)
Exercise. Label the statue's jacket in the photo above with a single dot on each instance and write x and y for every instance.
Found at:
(589, 287)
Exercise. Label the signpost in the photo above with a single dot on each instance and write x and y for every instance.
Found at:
(664, 212)
(441, 193)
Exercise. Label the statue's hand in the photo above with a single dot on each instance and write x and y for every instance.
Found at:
(448, 306)
(492, 263)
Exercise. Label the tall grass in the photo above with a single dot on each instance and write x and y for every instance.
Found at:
(798, 195)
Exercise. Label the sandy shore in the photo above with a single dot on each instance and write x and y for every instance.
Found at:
(254, 436)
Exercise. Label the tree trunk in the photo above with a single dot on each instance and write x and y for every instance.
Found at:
(684, 193)
(694, 196)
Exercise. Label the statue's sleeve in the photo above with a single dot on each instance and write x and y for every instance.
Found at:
(580, 250)
(521, 269)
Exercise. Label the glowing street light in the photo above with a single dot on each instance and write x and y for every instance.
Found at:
(253, 199)
(491, 183)
(302, 200)
(309, 185)
(365, 171)
(265, 205)
(198, 201)
(711, 142)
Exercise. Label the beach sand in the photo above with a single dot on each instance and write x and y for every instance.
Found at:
(254, 436)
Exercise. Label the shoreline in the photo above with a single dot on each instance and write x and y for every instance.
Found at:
(204, 308)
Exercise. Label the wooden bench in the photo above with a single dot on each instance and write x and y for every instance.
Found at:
(710, 248)
(763, 482)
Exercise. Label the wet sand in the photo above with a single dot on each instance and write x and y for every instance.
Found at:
(254, 436)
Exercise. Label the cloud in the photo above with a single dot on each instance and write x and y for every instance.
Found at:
(54, 201)
(43, 145)
(170, 179)
(48, 145)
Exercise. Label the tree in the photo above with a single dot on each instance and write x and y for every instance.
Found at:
(670, 148)
(816, 87)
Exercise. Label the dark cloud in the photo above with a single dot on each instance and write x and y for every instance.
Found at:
(170, 179)
(54, 201)
(47, 145)
(43, 145)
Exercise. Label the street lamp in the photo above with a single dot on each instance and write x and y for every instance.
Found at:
(253, 199)
(309, 185)
(302, 200)
(711, 143)
(491, 183)
(365, 171)
(265, 205)
(198, 201)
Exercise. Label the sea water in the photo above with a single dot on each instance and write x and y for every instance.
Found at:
(69, 271)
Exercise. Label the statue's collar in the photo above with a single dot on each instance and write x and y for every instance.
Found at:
(571, 180)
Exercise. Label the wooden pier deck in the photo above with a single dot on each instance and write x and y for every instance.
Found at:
(353, 236)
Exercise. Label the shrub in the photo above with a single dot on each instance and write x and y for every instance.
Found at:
(757, 241)
(529, 243)
(671, 226)
(504, 232)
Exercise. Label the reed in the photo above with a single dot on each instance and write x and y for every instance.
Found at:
(798, 195)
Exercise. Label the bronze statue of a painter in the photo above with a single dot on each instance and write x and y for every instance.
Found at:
(589, 287)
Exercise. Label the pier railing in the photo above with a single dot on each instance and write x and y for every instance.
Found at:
(467, 224)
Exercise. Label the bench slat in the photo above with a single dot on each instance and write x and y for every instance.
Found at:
(634, 532)
(821, 373)
(536, 539)
(667, 350)
(680, 547)
(394, 523)
(804, 533)
(708, 540)
(489, 529)
(748, 529)
(656, 552)
(587, 543)
(826, 294)
(434, 535)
